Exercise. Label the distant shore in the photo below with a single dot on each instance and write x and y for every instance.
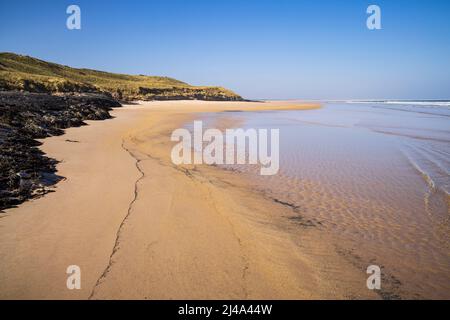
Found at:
(140, 227)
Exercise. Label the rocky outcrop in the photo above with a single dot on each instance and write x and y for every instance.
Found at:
(39, 99)
(25, 171)
(179, 93)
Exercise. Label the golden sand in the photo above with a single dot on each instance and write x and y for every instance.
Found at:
(140, 227)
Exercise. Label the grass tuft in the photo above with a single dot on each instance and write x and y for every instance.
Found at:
(24, 73)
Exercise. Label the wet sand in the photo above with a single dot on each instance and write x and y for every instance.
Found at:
(140, 227)
(378, 181)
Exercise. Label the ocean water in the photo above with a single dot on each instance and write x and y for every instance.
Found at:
(375, 175)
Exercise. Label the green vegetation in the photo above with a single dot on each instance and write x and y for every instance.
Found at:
(25, 73)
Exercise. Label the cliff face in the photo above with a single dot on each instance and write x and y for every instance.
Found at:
(28, 74)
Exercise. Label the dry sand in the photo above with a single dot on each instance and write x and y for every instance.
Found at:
(140, 227)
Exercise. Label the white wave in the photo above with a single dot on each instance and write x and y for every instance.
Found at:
(425, 103)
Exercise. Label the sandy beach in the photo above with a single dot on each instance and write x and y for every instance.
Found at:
(140, 227)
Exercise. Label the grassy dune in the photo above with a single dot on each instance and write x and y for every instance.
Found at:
(25, 73)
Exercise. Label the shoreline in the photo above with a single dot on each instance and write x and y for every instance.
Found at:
(150, 236)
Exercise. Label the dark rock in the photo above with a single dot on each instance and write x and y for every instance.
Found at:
(24, 169)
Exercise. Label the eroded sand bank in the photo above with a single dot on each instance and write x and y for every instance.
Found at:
(140, 227)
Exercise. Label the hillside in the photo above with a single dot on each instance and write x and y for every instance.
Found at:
(29, 74)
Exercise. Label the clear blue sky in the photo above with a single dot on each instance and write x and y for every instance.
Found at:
(307, 49)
